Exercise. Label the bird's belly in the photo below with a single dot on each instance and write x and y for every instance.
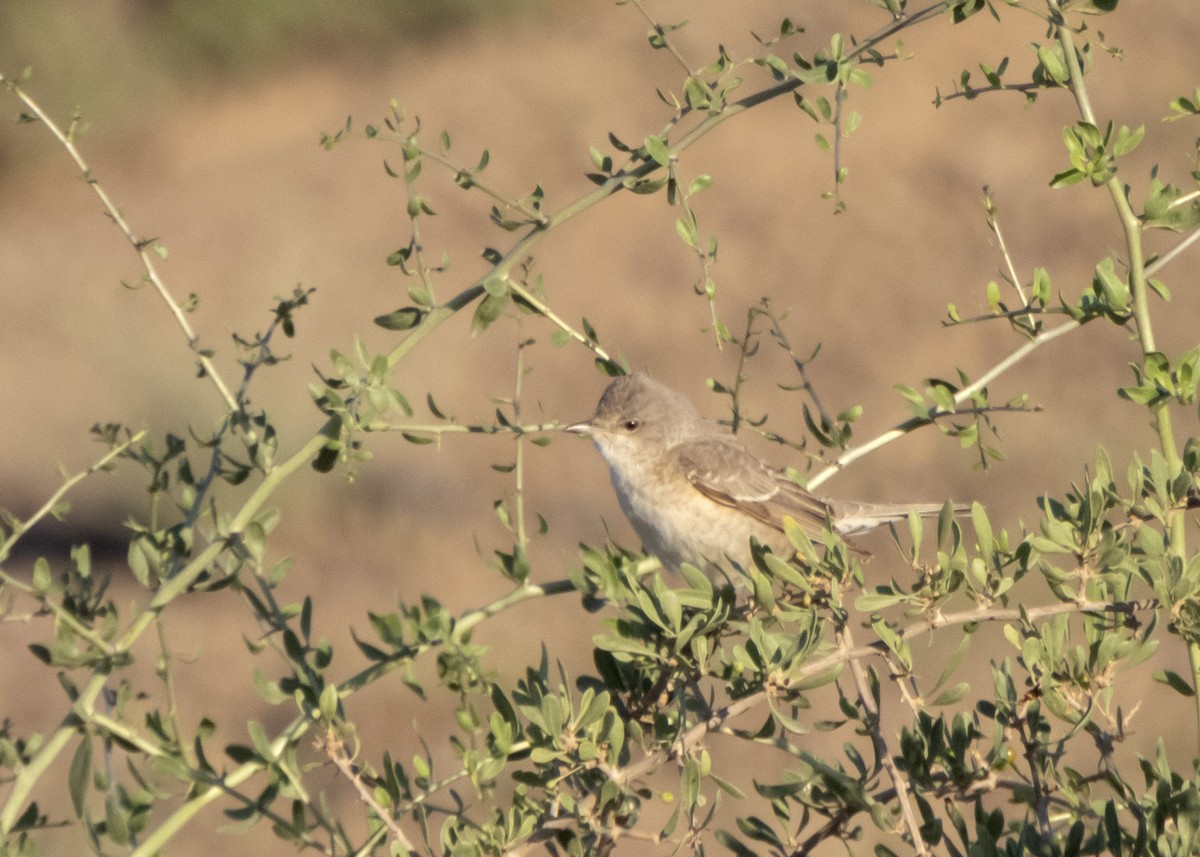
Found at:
(678, 524)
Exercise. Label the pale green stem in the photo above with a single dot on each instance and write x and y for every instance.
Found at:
(961, 396)
(553, 317)
(487, 190)
(1177, 523)
(47, 507)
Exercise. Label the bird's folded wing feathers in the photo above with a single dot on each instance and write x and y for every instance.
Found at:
(726, 472)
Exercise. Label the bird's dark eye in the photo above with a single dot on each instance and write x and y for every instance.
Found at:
(631, 425)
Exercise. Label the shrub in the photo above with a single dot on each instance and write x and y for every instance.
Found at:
(929, 755)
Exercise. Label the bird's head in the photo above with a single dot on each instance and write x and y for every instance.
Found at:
(638, 417)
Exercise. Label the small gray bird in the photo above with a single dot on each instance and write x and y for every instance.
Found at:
(694, 493)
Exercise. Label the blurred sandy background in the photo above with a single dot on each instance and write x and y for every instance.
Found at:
(205, 130)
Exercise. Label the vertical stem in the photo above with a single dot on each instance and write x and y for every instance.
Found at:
(1131, 225)
(873, 721)
(519, 481)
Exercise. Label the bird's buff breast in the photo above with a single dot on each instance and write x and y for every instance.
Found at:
(678, 524)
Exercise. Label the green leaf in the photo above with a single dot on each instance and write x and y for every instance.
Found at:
(421, 767)
(1041, 285)
(983, 529)
(489, 309)
(401, 319)
(1174, 681)
(268, 690)
(258, 737)
(254, 539)
(329, 702)
(1110, 286)
(897, 644)
(117, 818)
(81, 774)
(1128, 140)
(42, 581)
(911, 395)
(953, 662)
(1052, 61)
(877, 601)
(656, 148)
(952, 694)
(778, 68)
(993, 295)
(686, 227)
(1141, 395)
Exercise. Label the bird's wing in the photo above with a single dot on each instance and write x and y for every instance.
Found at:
(726, 472)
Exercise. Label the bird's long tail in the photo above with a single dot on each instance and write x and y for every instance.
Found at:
(851, 518)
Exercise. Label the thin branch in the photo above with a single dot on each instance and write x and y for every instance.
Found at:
(852, 455)
(801, 365)
(1185, 199)
(335, 750)
(1000, 368)
(1131, 225)
(974, 91)
(1010, 314)
(874, 724)
(519, 469)
(661, 32)
(167, 592)
(418, 247)
(61, 614)
(22, 527)
(143, 247)
(993, 223)
(746, 348)
(905, 683)
(543, 309)
(626, 177)
(1033, 755)
(537, 217)
(459, 428)
(1170, 255)
(839, 99)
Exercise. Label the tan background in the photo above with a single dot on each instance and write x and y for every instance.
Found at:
(224, 167)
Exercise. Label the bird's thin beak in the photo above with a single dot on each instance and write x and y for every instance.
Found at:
(579, 428)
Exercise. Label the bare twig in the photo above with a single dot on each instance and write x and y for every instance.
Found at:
(1033, 757)
(144, 247)
(801, 365)
(993, 223)
(661, 32)
(335, 750)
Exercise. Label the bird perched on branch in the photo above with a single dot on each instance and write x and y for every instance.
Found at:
(696, 494)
